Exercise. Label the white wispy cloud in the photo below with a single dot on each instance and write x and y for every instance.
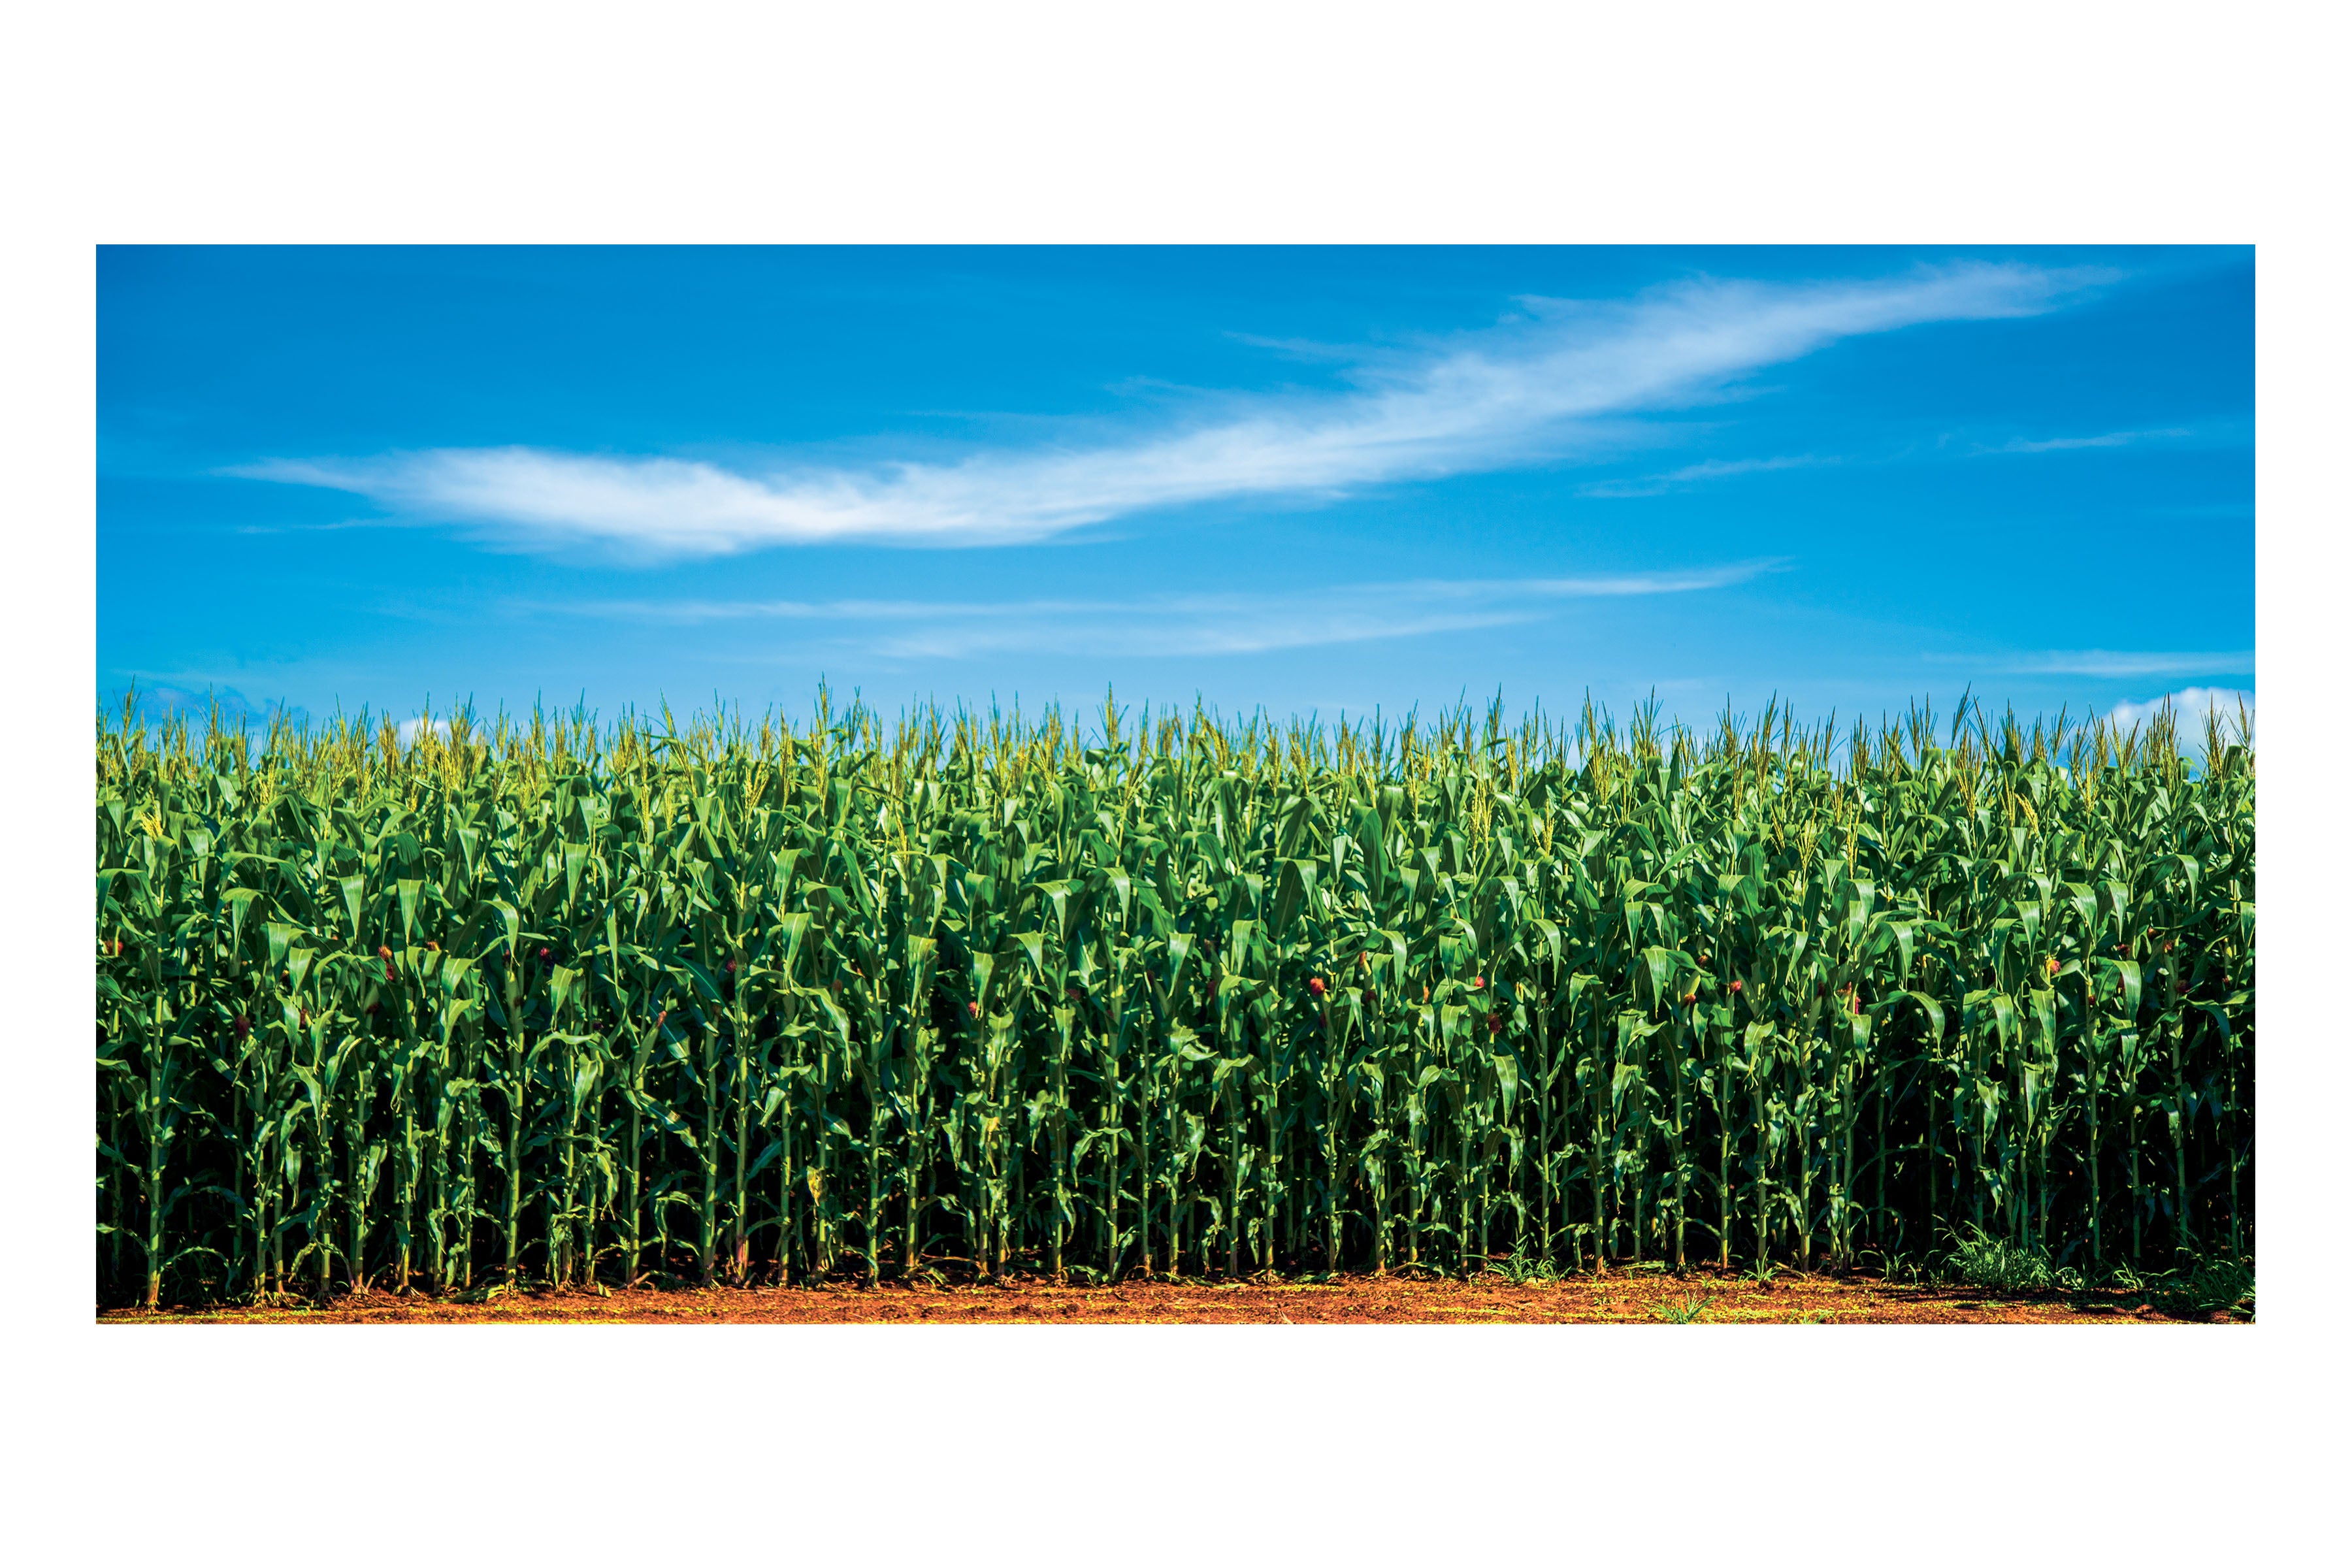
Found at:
(2108, 662)
(1176, 623)
(2190, 706)
(2077, 443)
(1697, 473)
(1532, 389)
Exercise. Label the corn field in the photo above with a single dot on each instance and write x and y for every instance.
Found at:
(465, 1005)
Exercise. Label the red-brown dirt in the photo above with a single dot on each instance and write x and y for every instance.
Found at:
(1634, 1297)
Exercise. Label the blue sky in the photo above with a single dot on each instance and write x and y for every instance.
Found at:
(1314, 480)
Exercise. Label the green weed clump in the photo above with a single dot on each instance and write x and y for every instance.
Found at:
(2199, 1288)
(1998, 1265)
(2205, 1287)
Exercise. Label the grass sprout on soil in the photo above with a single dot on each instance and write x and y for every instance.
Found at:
(2203, 1288)
(1999, 1266)
(2199, 1288)
(1521, 1270)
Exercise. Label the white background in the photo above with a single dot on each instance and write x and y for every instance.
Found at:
(1989, 123)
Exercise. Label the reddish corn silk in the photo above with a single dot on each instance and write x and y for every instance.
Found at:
(1734, 989)
(383, 952)
(731, 966)
(975, 1006)
(1494, 1023)
(545, 953)
(2053, 967)
(1477, 982)
(1689, 997)
(387, 970)
(1315, 986)
(244, 1025)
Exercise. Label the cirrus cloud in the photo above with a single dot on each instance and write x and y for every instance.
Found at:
(1534, 389)
(1176, 624)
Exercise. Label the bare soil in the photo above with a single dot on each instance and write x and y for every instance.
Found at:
(1632, 1296)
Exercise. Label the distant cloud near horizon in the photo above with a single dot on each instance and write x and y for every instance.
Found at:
(1528, 391)
(154, 703)
(2190, 707)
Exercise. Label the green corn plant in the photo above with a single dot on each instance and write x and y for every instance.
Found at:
(571, 1003)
